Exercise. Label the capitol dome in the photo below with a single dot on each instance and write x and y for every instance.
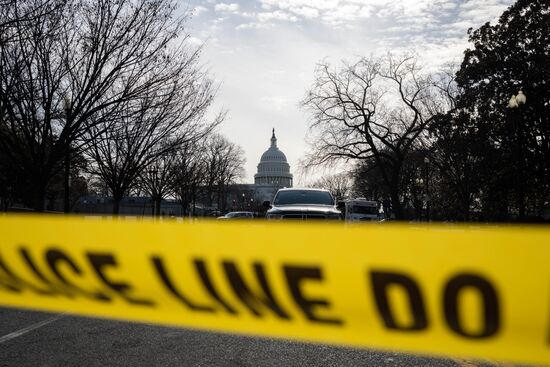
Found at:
(273, 168)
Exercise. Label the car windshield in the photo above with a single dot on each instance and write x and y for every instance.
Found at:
(292, 197)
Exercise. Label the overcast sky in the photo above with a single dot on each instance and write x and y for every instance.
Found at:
(264, 52)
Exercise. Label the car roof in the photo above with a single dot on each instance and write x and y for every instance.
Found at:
(302, 189)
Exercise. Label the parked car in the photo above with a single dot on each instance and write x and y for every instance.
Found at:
(238, 215)
(302, 204)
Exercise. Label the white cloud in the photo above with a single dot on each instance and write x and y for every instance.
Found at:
(198, 10)
(247, 14)
(276, 103)
(480, 12)
(306, 12)
(346, 14)
(290, 4)
(227, 8)
(449, 6)
(276, 15)
(338, 12)
(195, 41)
(253, 25)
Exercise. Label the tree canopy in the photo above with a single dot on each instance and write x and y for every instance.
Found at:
(511, 55)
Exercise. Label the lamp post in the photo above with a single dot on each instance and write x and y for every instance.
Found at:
(244, 201)
(515, 103)
(427, 183)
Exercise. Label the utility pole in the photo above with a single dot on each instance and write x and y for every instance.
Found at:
(515, 104)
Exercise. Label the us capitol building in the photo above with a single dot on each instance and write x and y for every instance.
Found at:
(273, 174)
(273, 168)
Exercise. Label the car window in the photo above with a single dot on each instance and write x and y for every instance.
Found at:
(303, 197)
(364, 209)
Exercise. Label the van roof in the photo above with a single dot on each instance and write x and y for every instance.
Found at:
(360, 200)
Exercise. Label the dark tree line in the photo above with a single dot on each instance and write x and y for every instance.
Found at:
(451, 145)
(113, 84)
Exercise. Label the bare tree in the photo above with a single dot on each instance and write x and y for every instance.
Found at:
(189, 174)
(372, 109)
(67, 77)
(157, 179)
(224, 163)
(29, 76)
(340, 185)
(152, 128)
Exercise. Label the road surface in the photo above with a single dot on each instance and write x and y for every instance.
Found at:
(43, 339)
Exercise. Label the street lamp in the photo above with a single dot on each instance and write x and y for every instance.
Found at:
(517, 100)
(427, 182)
(244, 201)
(515, 103)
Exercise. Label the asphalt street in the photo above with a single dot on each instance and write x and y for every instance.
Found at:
(43, 339)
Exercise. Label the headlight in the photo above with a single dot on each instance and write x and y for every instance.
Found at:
(274, 216)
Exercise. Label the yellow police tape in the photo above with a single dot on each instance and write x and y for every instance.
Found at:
(481, 292)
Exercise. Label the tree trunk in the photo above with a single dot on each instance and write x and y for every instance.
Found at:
(209, 191)
(193, 195)
(67, 183)
(466, 210)
(521, 169)
(116, 204)
(39, 195)
(158, 201)
(397, 206)
(465, 202)
(223, 194)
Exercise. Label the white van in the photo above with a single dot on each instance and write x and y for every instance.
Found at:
(361, 209)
